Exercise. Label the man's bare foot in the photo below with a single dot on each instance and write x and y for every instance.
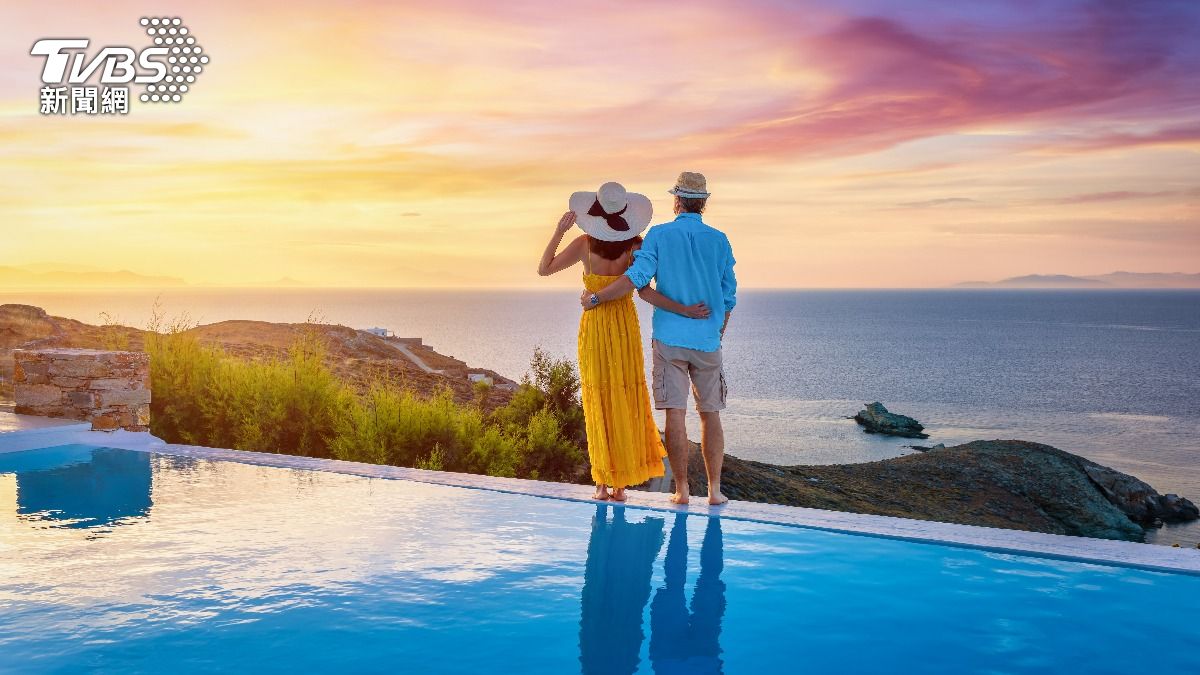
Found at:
(619, 494)
(601, 492)
(681, 495)
(716, 498)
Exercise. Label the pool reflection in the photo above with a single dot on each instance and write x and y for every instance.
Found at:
(617, 586)
(683, 641)
(80, 486)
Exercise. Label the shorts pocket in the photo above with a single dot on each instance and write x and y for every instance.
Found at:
(658, 383)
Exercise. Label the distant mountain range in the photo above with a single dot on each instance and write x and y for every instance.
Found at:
(1110, 280)
(66, 276)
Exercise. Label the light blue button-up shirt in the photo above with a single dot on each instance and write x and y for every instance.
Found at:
(690, 262)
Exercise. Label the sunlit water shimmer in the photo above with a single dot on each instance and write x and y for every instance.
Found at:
(1111, 375)
(127, 562)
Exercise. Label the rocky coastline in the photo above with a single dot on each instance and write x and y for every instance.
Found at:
(999, 483)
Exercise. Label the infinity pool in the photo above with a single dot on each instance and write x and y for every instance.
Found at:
(128, 561)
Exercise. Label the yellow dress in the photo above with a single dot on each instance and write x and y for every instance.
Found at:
(623, 440)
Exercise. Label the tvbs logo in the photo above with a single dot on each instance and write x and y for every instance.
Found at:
(168, 69)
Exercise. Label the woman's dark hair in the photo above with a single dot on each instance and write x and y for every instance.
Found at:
(611, 250)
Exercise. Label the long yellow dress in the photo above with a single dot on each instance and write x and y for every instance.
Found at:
(623, 440)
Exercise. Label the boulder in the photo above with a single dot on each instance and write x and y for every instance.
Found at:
(875, 419)
(1137, 499)
(1011, 484)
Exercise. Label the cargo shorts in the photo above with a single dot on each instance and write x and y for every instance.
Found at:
(675, 368)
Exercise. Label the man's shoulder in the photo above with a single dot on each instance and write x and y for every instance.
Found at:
(691, 224)
(667, 225)
(714, 232)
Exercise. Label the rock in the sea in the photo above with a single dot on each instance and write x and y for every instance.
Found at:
(927, 448)
(876, 419)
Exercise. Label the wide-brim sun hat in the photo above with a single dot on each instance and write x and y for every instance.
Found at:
(612, 213)
(690, 185)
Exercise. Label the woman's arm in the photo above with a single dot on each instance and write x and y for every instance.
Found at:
(552, 263)
(652, 296)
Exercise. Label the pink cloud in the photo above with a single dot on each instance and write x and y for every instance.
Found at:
(894, 82)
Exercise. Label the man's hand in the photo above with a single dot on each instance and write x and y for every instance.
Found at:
(565, 223)
(696, 311)
(585, 299)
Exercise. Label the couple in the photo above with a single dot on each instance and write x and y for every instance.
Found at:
(690, 262)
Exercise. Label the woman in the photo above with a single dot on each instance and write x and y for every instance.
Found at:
(623, 441)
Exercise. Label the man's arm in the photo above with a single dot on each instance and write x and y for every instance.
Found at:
(643, 269)
(728, 286)
(729, 280)
(645, 261)
(610, 292)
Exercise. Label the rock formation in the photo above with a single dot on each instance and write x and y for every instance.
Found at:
(876, 419)
(1011, 484)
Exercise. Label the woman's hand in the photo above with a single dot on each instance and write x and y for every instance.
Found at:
(565, 223)
(696, 311)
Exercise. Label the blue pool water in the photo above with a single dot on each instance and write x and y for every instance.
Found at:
(124, 561)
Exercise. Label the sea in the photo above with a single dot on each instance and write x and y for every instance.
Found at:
(1113, 375)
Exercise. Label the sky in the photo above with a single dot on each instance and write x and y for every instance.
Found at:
(904, 143)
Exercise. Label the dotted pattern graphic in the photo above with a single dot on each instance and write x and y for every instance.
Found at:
(185, 59)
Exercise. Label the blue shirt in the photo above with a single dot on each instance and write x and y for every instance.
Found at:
(691, 262)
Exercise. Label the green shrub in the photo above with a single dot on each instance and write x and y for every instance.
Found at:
(202, 396)
(297, 405)
(395, 427)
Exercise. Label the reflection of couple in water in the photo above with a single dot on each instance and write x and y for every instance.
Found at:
(616, 588)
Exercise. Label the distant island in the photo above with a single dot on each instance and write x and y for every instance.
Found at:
(79, 276)
(1099, 281)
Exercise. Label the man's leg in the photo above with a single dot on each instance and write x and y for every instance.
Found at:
(712, 445)
(677, 453)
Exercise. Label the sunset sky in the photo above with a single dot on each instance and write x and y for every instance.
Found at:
(849, 144)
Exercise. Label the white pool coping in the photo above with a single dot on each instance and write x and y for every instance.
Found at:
(12, 423)
(1063, 547)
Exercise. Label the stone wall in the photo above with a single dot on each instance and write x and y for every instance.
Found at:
(109, 389)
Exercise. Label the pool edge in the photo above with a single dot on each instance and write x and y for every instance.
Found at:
(1062, 547)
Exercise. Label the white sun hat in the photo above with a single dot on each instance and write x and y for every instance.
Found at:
(611, 213)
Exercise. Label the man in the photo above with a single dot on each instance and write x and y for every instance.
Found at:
(690, 262)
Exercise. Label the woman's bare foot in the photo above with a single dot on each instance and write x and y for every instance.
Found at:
(601, 492)
(618, 494)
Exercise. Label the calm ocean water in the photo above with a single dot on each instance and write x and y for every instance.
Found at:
(1111, 375)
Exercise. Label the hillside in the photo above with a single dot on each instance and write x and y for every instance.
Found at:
(357, 357)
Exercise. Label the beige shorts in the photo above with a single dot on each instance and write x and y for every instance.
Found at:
(677, 367)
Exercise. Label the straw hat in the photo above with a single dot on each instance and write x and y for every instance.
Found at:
(611, 213)
(690, 185)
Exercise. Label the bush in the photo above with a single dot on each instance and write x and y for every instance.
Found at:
(202, 396)
(546, 415)
(396, 427)
(297, 405)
